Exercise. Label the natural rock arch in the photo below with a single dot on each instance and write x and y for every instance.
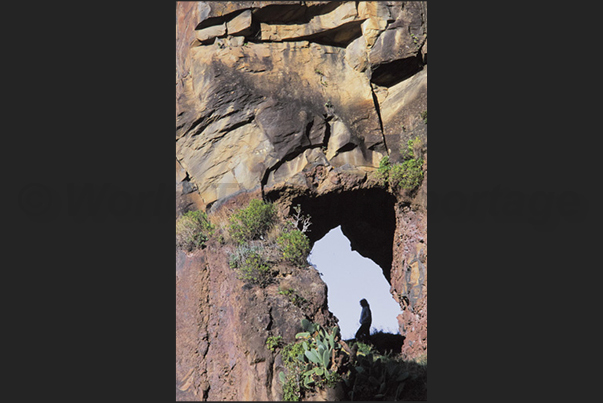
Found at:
(366, 216)
(283, 101)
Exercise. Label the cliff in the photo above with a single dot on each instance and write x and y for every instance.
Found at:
(295, 103)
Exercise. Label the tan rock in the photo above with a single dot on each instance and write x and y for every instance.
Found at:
(374, 9)
(235, 162)
(392, 45)
(280, 32)
(320, 23)
(279, 90)
(344, 13)
(402, 94)
(340, 137)
(291, 169)
(401, 112)
(356, 54)
(209, 33)
(377, 16)
(424, 51)
(371, 29)
(231, 42)
(240, 25)
(357, 158)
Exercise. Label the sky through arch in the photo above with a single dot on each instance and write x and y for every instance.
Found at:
(351, 277)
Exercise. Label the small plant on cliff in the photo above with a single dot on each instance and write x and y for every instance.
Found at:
(383, 170)
(274, 342)
(295, 247)
(292, 241)
(293, 296)
(251, 265)
(299, 219)
(292, 388)
(376, 376)
(319, 348)
(408, 174)
(252, 222)
(193, 229)
(310, 361)
(412, 149)
(385, 376)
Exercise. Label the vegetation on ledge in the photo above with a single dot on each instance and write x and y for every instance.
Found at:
(406, 175)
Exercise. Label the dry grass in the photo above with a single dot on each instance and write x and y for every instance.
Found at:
(274, 232)
(221, 220)
(418, 146)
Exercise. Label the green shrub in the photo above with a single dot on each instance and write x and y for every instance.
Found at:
(294, 365)
(293, 297)
(274, 342)
(409, 152)
(370, 378)
(376, 376)
(295, 246)
(193, 229)
(383, 170)
(319, 346)
(252, 222)
(309, 361)
(251, 265)
(408, 174)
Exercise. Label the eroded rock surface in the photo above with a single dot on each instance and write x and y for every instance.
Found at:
(222, 324)
(295, 102)
(254, 94)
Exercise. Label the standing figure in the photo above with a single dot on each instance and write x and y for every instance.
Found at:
(363, 334)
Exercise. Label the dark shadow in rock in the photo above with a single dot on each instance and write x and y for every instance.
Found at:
(389, 74)
(340, 36)
(387, 342)
(366, 216)
(413, 388)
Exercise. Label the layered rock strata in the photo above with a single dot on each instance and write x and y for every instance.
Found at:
(294, 102)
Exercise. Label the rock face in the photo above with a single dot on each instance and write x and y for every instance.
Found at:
(294, 102)
(222, 324)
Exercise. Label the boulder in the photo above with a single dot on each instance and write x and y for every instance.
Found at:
(356, 54)
(392, 45)
(240, 25)
(209, 33)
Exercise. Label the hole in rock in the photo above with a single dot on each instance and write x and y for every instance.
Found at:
(366, 218)
(389, 74)
(341, 36)
(349, 278)
(292, 13)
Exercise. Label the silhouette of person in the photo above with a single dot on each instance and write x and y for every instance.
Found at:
(363, 333)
